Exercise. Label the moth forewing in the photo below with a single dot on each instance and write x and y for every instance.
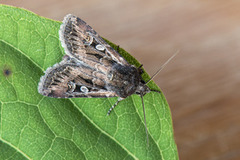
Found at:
(80, 40)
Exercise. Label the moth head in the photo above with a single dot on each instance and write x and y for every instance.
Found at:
(142, 89)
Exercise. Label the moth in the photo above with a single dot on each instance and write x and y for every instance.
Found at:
(91, 68)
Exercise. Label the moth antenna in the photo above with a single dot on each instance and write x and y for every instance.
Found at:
(145, 122)
(115, 104)
(159, 70)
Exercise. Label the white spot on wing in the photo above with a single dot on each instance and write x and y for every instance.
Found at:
(84, 89)
(100, 47)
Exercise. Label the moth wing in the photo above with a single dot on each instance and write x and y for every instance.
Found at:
(80, 41)
(69, 79)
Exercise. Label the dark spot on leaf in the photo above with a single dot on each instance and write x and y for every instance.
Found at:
(7, 72)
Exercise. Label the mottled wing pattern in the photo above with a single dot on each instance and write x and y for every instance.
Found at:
(84, 70)
(69, 79)
(80, 41)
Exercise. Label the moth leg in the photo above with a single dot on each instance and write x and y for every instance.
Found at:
(156, 91)
(115, 104)
(118, 48)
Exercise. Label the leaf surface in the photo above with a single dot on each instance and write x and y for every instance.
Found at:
(38, 127)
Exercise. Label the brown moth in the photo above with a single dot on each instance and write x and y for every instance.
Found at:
(91, 68)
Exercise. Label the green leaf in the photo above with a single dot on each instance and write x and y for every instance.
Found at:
(38, 127)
